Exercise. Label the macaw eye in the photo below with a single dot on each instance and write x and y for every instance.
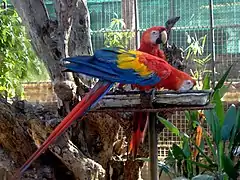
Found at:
(154, 32)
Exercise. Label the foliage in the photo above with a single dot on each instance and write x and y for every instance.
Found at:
(115, 36)
(195, 55)
(223, 141)
(18, 61)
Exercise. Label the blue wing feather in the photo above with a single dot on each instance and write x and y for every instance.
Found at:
(103, 65)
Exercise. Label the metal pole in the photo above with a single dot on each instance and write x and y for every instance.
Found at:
(153, 151)
(213, 41)
(137, 35)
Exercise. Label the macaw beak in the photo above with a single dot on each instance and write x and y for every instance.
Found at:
(162, 39)
(194, 84)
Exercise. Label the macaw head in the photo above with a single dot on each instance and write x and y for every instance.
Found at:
(179, 81)
(154, 36)
(187, 84)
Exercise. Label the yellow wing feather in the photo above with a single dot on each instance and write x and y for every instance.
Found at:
(130, 60)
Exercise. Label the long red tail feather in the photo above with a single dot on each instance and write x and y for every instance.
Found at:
(140, 122)
(77, 111)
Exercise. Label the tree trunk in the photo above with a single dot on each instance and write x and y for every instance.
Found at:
(86, 148)
(128, 15)
(25, 127)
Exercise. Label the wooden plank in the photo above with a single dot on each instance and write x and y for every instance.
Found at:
(132, 99)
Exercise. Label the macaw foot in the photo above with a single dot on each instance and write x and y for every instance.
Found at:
(153, 94)
(124, 88)
(120, 88)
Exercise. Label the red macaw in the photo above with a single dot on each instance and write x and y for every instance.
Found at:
(150, 42)
(116, 65)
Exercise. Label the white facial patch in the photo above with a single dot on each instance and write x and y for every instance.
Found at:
(186, 85)
(154, 36)
(164, 37)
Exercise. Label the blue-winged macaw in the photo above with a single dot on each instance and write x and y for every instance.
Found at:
(112, 65)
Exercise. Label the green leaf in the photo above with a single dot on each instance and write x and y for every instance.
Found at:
(213, 122)
(229, 167)
(206, 82)
(186, 147)
(187, 115)
(169, 125)
(177, 152)
(205, 166)
(194, 115)
(14, 44)
(2, 88)
(219, 109)
(224, 89)
(143, 159)
(204, 41)
(223, 79)
(188, 54)
(229, 122)
(210, 145)
(170, 159)
(220, 150)
(235, 140)
(238, 119)
(209, 160)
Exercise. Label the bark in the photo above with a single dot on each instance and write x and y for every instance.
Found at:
(55, 39)
(128, 15)
(29, 126)
(14, 135)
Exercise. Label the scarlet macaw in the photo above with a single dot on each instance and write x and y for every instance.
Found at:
(150, 42)
(116, 65)
(154, 36)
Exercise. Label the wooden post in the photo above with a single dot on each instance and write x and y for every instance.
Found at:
(153, 151)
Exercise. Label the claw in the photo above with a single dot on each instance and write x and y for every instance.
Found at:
(153, 94)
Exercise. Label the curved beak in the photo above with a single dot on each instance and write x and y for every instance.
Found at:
(162, 37)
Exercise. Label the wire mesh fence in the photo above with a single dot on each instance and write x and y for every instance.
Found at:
(194, 21)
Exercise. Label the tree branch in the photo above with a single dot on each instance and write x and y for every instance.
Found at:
(13, 134)
(82, 166)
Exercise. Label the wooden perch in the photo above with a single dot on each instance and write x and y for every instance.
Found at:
(161, 98)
